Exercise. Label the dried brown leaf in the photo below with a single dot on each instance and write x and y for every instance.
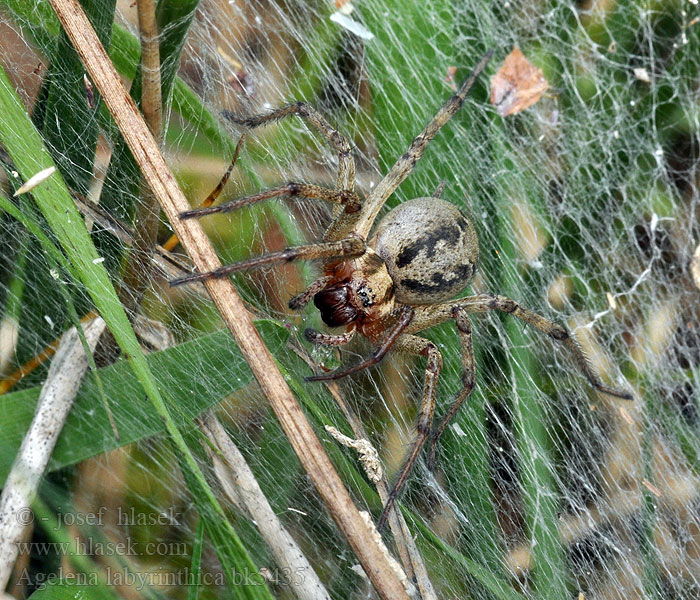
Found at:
(517, 85)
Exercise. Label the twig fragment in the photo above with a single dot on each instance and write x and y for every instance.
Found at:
(369, 459)
(240, 485)
(55, 401)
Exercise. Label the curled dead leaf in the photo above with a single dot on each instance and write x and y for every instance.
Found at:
(517, 85)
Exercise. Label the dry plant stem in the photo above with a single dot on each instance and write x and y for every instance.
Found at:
(9, 382)
(55, 401)
(240, 484)
(151, 100)
(293, 421)
(412, 561)
(139, 267)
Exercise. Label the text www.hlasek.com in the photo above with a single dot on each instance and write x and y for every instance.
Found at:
(90, 547)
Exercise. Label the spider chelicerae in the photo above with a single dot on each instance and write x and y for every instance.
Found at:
(398, 282)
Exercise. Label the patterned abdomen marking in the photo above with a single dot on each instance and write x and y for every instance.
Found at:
(430, 249)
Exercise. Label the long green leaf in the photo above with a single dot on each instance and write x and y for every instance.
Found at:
(198, 373)
(28, 153)
(73, 143)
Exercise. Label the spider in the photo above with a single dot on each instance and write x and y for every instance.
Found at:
(398, 282)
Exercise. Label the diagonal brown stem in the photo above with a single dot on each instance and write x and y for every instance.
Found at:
(301, 436)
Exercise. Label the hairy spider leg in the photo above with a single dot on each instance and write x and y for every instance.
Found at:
(379, 352)
(464, 328)
(301, 300)
(211, 198)
(432, 315)
(347, 248)
(419, 346)
(344, 246)
(459, 310)
(404, 165)
(346, 163)
(412, 344)
(346, 198)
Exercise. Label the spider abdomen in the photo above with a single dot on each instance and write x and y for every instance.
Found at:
(430, 249)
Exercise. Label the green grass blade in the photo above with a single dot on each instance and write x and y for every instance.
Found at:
(218, 371)
(196, 565)
(28, 153)
(86, 569)
(70, 127)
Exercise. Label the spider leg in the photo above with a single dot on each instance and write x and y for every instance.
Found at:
(486, 302)
(211, 198)
(439, 189)
(342, 249)
(464, 328)
(552, 329)
(301, 300)
(326, 339)
(346, 163)
(348, 199)
(404, 165)
(419, 346)
(379, 352)
(559, 333)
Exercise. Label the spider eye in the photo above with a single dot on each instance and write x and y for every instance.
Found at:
(366, 296)
(334, 305)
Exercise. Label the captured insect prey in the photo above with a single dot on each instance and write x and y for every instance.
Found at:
(390, 280)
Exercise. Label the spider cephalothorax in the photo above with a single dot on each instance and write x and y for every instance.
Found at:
(398, 282)
(360, 293)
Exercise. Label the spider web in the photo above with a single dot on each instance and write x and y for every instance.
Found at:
(586, 208)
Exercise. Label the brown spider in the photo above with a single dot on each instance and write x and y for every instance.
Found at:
(398, 283)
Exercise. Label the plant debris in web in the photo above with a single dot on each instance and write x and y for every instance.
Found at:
(517, 85)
